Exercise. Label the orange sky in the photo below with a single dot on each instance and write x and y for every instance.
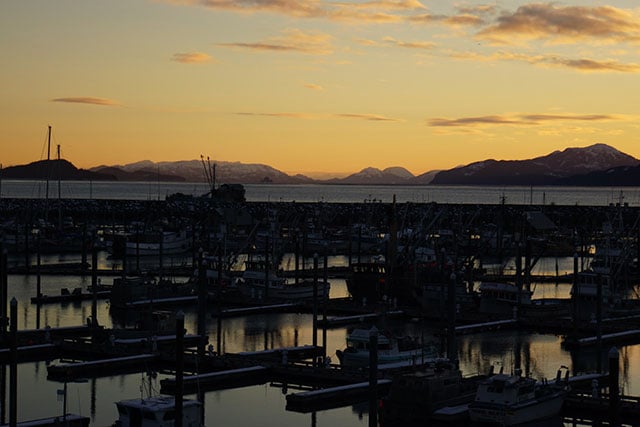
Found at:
(317, 86)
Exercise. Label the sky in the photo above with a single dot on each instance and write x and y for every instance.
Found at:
(316, 87)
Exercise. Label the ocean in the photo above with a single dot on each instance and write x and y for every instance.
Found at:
(311, 193)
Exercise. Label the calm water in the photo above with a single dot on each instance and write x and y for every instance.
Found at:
(584, 196)
(264, 404)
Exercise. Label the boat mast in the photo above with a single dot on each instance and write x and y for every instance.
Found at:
(58, 167)
(46, 195)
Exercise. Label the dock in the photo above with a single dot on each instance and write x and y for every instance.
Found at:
(485, 326)
(69, 420)
(334, 397)
(358, 318)
(98, 368)
(624, 337)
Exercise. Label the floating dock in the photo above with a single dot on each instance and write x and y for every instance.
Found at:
(334, 397)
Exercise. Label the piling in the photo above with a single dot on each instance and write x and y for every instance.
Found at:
(94, 289)
(202, 304)
(614, 385)
(576, 294)
(38, 265)
(325, 298)
(315, 302)
(373, 377)
(179, 367)
(4, 295)
(13, 368)
(219, 299)
(452, 350)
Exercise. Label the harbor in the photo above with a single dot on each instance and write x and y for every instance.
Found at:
(247, 343)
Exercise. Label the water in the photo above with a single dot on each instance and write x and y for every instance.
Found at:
(264, 404)
(582, 196)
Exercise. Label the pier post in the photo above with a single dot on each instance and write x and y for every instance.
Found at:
(373, 377)
(325, 298)
(599, 321)
(4, 294)
(219, 298)
(13, 368)
(179, 367)
(202, 304)
(266, 268)
(315, 304)
(614, 385)
(94, 289)
(452, 349)
(575, 297)
(83, 256)
(38, 266)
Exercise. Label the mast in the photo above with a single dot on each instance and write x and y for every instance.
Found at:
(46, 195)
(58, 167)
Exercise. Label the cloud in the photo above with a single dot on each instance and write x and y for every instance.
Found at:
(279, 115)
(191, 58)
(373, 11)
(551, 60)
(369, 117)
(313, 86)
(517, 119)
(306, 116)
(88, 100)
(410, 45)
(312, 43)
(565, 24)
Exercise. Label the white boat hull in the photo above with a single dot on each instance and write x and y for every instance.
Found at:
(509, 415)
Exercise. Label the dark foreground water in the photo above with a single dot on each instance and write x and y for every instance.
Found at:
(264, 405)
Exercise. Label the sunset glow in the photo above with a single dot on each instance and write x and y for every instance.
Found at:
(310, 86)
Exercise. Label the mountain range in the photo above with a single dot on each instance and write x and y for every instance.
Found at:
(598, 164)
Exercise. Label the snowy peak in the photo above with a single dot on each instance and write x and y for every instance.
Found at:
(545, 170)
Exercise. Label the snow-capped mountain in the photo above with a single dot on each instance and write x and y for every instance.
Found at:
(545, 170)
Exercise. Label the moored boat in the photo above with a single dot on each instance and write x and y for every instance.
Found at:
(509, 400)
(391, 349)
(157, 411)
(260, 282)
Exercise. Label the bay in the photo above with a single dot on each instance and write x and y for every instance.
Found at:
(312, 193)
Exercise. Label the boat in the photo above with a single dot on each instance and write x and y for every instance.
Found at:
(139, 291)
(392, 349)
(509, 400)
(502, 297)
(260, 282)
(157, 411)
(416, 395)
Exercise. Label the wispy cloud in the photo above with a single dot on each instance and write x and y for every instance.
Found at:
(279, 115)
(518, 120)
(313, 86)
(294, 40)
(564, 24)
(373, 11)
(88, 100)
(551, 60)
(409, 45)
(369, 117)
(306, 116)
(191, 58)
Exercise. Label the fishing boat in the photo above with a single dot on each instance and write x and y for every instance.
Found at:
(502, 297)
(157, 411)
(509, 400)
(391, 349)
(260, 282)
